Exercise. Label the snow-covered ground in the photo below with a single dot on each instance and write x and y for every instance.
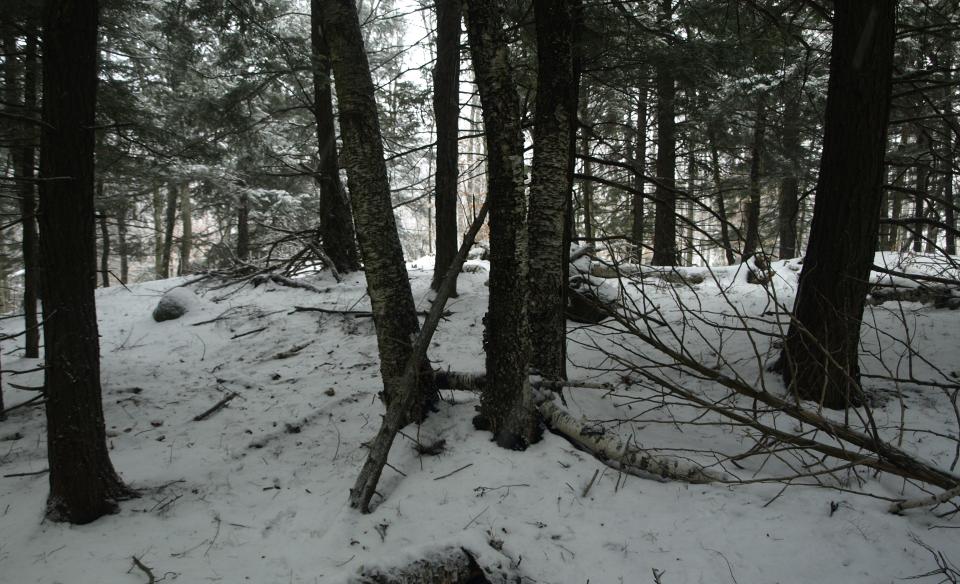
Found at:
(258, 491)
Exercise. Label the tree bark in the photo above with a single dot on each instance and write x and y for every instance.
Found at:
(23, 155)
(122, 245)
(104, 245)
(665, 222)
(391, 300)
(639, 167)
(339, 239)
(920, 197)
(820, 356)
(170, 219)
(158, 202)
(243, 227)
(186, 238)
(550, 185)
(446, 111)
(721, 203)
(83, 483)
(790, 184)
(752, 242)
(507, 407)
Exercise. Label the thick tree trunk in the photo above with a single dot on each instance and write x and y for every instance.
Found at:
(83, 483)
(122, 248)
(170, 220)
(790, 184)
(391, 300)
(337, 233)
(23, 155)
(820, 356)
(721, 203)
(639, 167)
(507, 407)
(550, 185)
(752, 243)
(186, 238)
(446, 111)
(243, 227)
(665, 222)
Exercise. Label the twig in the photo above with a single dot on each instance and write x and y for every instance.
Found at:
(454, 472)
(477, 516)
(216, 407)
(22, 404)
(590, 484)
(237, 336)
(151, 579)
(26, 474)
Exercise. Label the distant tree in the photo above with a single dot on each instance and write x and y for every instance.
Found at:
(820, 356)
(665, 227)
(83, 483)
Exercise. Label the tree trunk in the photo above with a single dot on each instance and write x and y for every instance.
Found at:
(339, 238)
(586, 186)
(122, 249)
(950, 201)
(820, 356)
(83, 483)
(721, 203)
(104, 245)
(550, 185)
(639, 167)
(446, 110)
(753, 206)
(665, 222)
(170, 219)
(243, 227)
(391, 300)
(920, 197)
(186, 238)
(158, 202)
(790, 184)
(23, 155)
(506, 407)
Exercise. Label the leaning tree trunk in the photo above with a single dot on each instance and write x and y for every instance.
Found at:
(550, 184)
(790, 184)
(186, 237)
(820, 356)
(665, 222)
(23, 155)
(391, 300)
(170, 219)
(446, 111)
(337, 234)
(506, 407)
(752, 242)
(83, 483)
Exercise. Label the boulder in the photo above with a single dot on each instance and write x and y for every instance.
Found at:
(175, 303)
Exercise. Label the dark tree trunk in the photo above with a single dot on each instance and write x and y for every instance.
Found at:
(170, 220)
(665, 222)
(122, 249)
(83, 483)
(186, 237)
(243, 227)
(338, 236)
(23, 155)
(550, 183)
(950, 201)
(820, 357)
(923, 184)
(586, 185)
(790, 184)
(157, 232)
(391, 299)
(506, 407)
(752, 242)
(104, 249)
(446, 111)
(721, 203)
(639, 167)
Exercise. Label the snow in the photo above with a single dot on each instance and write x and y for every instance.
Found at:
(258, 491)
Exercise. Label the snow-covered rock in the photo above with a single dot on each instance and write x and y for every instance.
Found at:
(175, 303)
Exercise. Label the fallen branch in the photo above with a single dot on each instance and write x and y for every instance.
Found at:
(215, 408)
(293, 351)
(925, 501)
(238, 335)
(151, 579)
(283, 281)
(26, 474)
(614, 452)
(356, 313)
(393, 421)
(441, 567)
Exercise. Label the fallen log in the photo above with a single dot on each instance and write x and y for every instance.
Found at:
(451, 566)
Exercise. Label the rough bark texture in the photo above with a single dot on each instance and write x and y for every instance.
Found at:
(394, 312)
(446, 111)
(550, 184)
(24, 160)
(157, 232)
(665, 222)
(186, 237)
(752, 242)
(169, 221)
(639, 168)
(790, 183)
(243, 227)
(339, 239)
(507, 407)
(820, 356)
(83, 483)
